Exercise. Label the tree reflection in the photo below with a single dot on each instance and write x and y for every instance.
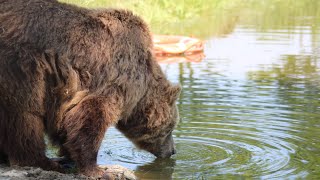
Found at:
(297, 80)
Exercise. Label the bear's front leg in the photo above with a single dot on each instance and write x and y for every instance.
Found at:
(26, 145)
(85, 126)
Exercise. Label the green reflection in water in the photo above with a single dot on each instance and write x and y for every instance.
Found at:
(251, 108)
(296, 84)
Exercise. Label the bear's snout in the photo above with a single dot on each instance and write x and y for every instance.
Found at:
(166, 154)
(167, 148)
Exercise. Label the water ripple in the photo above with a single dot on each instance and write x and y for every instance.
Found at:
(240, 118)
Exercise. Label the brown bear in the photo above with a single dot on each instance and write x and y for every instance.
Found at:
(71, 73)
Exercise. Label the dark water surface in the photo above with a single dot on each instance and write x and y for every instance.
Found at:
(251, 108)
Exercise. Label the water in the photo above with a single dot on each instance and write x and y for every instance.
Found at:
(251, 107)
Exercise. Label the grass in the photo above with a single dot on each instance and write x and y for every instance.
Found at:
(201, 18)
(207, 18)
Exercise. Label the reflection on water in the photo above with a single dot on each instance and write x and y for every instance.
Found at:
(168, 59)
(251, 107)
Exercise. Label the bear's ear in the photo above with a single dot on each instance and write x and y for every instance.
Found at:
(173, 93)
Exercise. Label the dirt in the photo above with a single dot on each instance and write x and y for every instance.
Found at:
(29, 173)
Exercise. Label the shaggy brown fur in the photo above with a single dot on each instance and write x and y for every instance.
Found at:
(71, 72)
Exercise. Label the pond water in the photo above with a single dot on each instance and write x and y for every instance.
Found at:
(251, 107)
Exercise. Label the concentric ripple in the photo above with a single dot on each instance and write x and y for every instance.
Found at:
(116, 149)
(240, 117)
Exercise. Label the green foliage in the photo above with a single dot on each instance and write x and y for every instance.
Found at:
(205, 18)
(201, 18)
(282, 14)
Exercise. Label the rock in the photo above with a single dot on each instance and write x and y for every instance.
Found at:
(29, 173)
(119, 172)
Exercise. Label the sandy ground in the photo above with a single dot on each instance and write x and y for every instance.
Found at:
(28, 173)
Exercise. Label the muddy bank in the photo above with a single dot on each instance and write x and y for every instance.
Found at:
(29, 173)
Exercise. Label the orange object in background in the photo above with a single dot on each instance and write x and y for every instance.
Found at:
(195, 57)
(165, 44)
(169, 49)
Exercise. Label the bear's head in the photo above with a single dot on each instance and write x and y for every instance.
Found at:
(151, 123)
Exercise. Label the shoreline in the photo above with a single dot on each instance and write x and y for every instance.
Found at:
(32, 173)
